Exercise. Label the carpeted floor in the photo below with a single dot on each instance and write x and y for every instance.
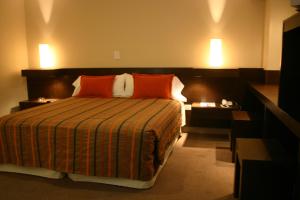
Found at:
(198, 169)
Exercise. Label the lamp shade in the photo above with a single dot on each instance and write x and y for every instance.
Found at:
(46, 56)
(216, 56)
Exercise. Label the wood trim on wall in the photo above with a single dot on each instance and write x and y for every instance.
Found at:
(272, 76)
(200, 84)
(105, 71)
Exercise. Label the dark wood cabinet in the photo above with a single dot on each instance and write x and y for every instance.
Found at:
(216, 117)
(262, 170)
(244, 125)
(278, 125)
(33, 103)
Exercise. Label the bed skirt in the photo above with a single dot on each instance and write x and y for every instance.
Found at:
(137, 184)
(46, 173)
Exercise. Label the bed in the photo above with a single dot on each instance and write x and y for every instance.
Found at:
(120, 141)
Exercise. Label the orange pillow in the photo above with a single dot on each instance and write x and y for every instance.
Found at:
(96, 86)
(152, 86)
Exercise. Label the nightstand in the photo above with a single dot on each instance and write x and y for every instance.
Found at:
(216, 117)
(34, 102)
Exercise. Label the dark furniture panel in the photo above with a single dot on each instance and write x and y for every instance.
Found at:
(200, 84)
(290, 70)
(262, 171)
(244, 125)
(33, 103)
(277, 124)
(216, 117)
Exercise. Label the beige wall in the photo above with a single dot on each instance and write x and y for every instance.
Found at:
(168, 33)
(13, 54)
(276, 12)
(164, 33)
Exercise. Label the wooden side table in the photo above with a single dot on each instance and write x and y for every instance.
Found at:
(244, 125)
(262, 170)
(33, 103)
(216, 117)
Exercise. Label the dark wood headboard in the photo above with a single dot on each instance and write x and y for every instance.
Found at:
(200, 84)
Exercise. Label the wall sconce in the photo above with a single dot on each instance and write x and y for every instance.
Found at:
(216, 56)
(46, 56)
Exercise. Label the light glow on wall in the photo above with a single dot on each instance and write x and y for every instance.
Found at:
(46, 56)
(216, 55)
(46, 7)
(216, 8)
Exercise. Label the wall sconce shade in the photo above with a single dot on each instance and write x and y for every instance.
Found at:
(46, 56)
(216, 55)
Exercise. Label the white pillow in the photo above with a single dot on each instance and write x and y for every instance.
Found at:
(129, 85)
(118, 87)
(177, 87)
(76, 84)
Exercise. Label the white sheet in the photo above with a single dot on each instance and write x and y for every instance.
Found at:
(46, 173)
(183, 116)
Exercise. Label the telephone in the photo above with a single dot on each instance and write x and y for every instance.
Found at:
(226, 103)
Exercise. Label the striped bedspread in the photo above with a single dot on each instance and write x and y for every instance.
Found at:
(114, 137)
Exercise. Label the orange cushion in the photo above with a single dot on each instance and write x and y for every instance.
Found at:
(96, 86)
(152, 86)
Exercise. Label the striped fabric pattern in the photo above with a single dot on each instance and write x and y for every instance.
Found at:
(111, 137)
